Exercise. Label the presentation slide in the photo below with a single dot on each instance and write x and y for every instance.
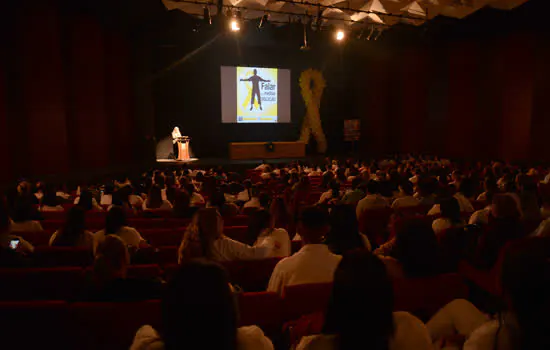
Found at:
(255, 95)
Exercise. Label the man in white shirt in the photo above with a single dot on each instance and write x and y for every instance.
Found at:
(406, 198)
(314, 263)
(373, 199)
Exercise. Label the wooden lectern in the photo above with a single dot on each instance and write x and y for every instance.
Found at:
(183, 148)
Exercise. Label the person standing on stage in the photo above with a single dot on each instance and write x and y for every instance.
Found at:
(176, 134)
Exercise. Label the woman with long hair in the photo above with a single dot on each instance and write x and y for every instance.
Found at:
(73, 233)
(116, 224)
(360, 312)
(344, 232)
(49, 201)
(154, 200)
(87, 201)
(204, 238)
(525, 285)
(198, 311)
(263, 233)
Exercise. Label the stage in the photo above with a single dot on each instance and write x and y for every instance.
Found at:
(213, 162)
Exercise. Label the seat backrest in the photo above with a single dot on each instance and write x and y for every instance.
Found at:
(423, 297)
(305, 299)
(167, 255)
(374, 224)
(237, 233)
(62, 256)
(111, 326)
(38, 238)
(41, 283)
(263, 309)
(34, 325)
(146, 272)
(162, 236)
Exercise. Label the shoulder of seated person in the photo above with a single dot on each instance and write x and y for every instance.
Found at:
(318, 341)
(147, 338)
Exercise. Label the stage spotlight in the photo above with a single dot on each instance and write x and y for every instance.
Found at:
(340, 35)
(263, 21)
(206, 15)
(234, 25)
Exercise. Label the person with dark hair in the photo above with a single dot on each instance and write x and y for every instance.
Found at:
(314, 263)
(489, 186)
(525, 284)
(195, 198)
(425, 190)
(263, 233)
(415, 252)
(504, 225)
(204, 238)
(450, 215)
(354, 195)
(115, 224)
(360, 312)
(481, 217)
(107, 194)
(154, 200)
(87, 201)
(110, 281)
(198, 311)
(344, 232)
(405, 197)
(333, 193)
(22, 218)
(217, 200)
(373, 199)
(50, 201)
(73, 233)
(12, 248)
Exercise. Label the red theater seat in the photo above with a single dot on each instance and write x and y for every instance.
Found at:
(304, 326)
(31, 325)
(263, 309)
(162, 236)
(147, 272)
(305, 299)
(62, 256)
(167, 255)
(251, 275)
(374, 224)
(423, 297)
(111, 326)
(39, 238)
(41, 283)
(237, 233)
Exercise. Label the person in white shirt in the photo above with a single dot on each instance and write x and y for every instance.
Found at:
(525, 283)
(360, 312)
(373, 200)
(154, 200)
(50, 202)
(195, 199)
(107, 195)
(204, 238)
(199, 312)
(87, 201)
(481, 217)
(7, 238)
(406, 196)
(73, 233)
(333, 193)
(115, 224)
(314, 263)
(22, 219)
(450, 216)
(263, 233)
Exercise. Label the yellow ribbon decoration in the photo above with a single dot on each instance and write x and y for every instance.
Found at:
(312, 85)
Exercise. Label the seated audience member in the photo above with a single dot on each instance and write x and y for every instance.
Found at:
(415, 252)
(198, 311)
(204, 238)
(525, 282)
(354, 195)
(344, 232)
(489, 186)
(246, 194)
(263, 233)
(405, 197)
(254, 201)
(450, 216)
(135, 199)
(425, 190)
(545, 207)
(333, 193)
(360, 312)
(154, 200)
(12, 248)
(86, 201)
(373, 199)
(530, 209)
(195, 199)
(110, 282)
(505, 226)
(121, 198)
(314, 263)
(481, 217)
(22, 219)
(107, 195)
(73, 233)
(115, 224)
(217, 200)
(50, 201)
(182, 205)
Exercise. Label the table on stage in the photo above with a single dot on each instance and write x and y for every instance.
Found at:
(267, 150)
(183, 148)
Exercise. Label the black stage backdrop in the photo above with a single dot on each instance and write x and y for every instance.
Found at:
(188, 95)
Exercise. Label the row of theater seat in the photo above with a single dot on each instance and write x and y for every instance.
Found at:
(62, 325)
